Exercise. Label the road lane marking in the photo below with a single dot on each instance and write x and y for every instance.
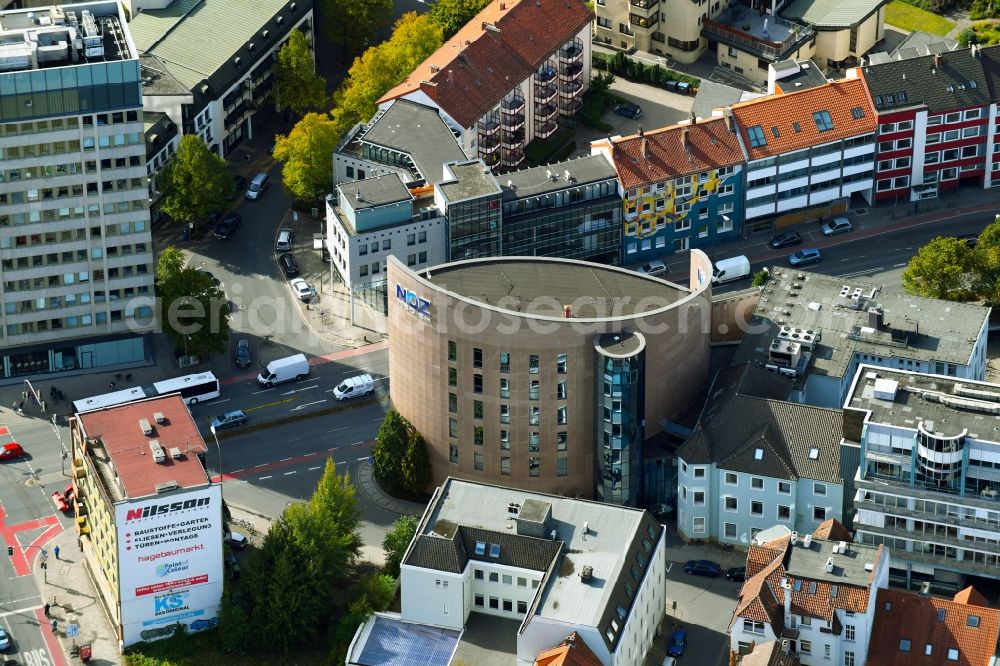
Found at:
(670, 566)
(293, 439)
(308, 404)
(363, 458)
(284, 459)
(292, 472)
(237, 471)
(271, 404)
(336, 429)
(314, 468)
(898, 265)
(304, 388)
(261, 478)
(216, 402)
(357, 443)
(264, 391)
(261, 465)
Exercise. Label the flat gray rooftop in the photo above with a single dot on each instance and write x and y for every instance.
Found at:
(803, 75)
(418, 131)
(487, 640)
(470, 179)
(620, 345)
(916, 399)
(563, 597)
(541, 287)
(943, 331)
(374, 192)
(553, 177)
(848, 568)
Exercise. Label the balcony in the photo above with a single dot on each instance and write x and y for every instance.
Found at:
(571, 53)
(511, 123)
(569, 107)
(571, 89)
(544, 93)
(489, 144)
(641, 21)
(546, 129)
(487, 127)
(491, 160)
(512, 105)
(513, 158)
(545, 111)
(571, 71)
(767, 37)
(950, 518)
(513, 140)
(545, 74)
(990, 569)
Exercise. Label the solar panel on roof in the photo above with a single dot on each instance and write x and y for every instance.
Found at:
(395, 643)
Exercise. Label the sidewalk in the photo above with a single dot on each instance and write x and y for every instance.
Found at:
(367, 486)
(73, 597)
(869, 222)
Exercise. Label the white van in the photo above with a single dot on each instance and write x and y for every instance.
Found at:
(284, 240)
(284, 370)
(257, 185)
(727, 270)
(354, 386)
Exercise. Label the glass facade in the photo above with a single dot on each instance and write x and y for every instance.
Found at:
(474, 228)
(620, 413)
(62, 91)
(589, 230)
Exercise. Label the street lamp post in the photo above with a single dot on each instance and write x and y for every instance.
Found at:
(62, 445)
(219, 449)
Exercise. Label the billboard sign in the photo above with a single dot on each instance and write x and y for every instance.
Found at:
(416, 304)
(170, 563)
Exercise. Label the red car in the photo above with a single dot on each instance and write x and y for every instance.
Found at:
(11, 450)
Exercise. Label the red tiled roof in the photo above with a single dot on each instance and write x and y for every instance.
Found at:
(476, 68)
(128, 448)
(915, 619)
(667, 153)
(832, 529)
(971, 597)
(573, 651)
(759, 600)
(781, 111)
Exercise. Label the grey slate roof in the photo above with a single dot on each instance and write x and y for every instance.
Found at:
(418, 131)
(958, 82)
(831, 13)
(990, 57)
(735, 423)
(712, 95)
(926, 43)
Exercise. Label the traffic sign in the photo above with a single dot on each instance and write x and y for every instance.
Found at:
(72, 630)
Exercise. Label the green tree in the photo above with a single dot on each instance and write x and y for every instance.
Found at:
(299, 87)
(335, 500)
(986, 264)
(451, 15)
(940, 269)
(194, 182)
(415, 469)
(306, 154)
(194, 313)
(389, 451)
(396, 541)
(372, 594)
(379, 68)
(352, 25)
(760, 278)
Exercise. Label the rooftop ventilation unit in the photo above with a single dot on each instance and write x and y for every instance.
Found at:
(159, 417)
(843, 547)
(176, 453)
(166, 486)
(513, 508)
(795, 537)
(829, 565)
(587, 574)
(885, 389)
(845, 291)
(157, 451)
(807, 542)
(145, 427)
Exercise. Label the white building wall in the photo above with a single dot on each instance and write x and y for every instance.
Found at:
(508, 587)
(432, 597)
(636, 637)
(920, 147)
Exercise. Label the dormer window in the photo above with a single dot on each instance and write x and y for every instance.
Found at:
(480, 548)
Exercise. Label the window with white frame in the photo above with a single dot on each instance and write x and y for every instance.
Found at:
(973, 114)
(784, 487)
(699, 498)
(699, 472)
(698, 525)
(848, 658)
(933, 158)
(849, 632)
(757, 483)
(753, 627)
(682, 225)
(805, 647)
(819, 489)
(732, 479)
(731, 504)
(784, 513)
(729, 530)
(756, 508)
(724, 224)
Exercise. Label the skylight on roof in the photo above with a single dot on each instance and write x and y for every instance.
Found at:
(973, 84)
(494, 550)
(834, 590)
(798, 586)
(972, 620)
(756, 136)
(878, 100)
(758, 454)
(823, 121)
(796, 127)
(813, 453)
(812, 587)
(774, 131)
(480, 548)
(940, 614)
(901, 96)
(857, 113)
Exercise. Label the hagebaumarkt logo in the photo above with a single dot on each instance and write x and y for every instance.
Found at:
(168, 568)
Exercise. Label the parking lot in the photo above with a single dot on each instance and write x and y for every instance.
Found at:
(660, 108)
(704, 607)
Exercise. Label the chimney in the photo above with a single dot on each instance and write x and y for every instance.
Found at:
(567, 312)
(503, 6)
(645, 147)
(875, 318)
(937, 61)
(684, 137)
(451, 76)
(829, 565)
(730, 119)
(642, 132)
(786, 588)
(694, 118)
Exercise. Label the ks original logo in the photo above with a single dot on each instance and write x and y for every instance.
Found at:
(417, 304)
(170, 603)
(168, 568)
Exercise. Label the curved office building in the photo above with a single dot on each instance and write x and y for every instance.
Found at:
(545, 374)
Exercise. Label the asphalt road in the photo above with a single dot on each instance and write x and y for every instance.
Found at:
(704, 607)
(881, 259)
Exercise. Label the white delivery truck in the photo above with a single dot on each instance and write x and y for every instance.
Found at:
(734, 268)
(284, 370)
(354, 386)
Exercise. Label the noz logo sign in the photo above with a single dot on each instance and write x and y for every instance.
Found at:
(418, 305)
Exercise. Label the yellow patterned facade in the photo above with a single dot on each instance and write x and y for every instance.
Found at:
(651, 208)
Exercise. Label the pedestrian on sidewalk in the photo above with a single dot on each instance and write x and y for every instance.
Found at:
(47, 610)
(55, 625)
(55, 551)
